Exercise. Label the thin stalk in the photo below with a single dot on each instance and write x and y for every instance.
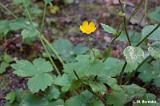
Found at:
(119, 33)
(125, 64)
(126, 31)
(145, 8)
(43, 18)
(110, 45)
(5, 8)
(138, 67)
(99, 97)
(125, 23)
(148, 35)
(77, 76)
(45, 40)
(121, 73)
(53, 49)
(89, 89)
(136, 9)
(28, 13)
(42, 38)
(49, 56)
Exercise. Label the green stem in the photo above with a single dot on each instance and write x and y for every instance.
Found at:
(42, 38)
(138, 67)
(28, 13)
(136, 9)
(149, 34)
(127, 35)
(124, 66)
(145, 8)
(53, 49)
(119, 33)
(121, 73)
(89, 89)
(43, 18)
(125, 23)
(49, 56)
(5, 8)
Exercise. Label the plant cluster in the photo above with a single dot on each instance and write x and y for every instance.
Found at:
(75, 75)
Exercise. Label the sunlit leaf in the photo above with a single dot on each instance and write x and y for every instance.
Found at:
(109, 29)
(154, 50)
(133, 55)
(37, 70)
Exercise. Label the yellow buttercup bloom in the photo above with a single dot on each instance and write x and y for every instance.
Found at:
(88, 27)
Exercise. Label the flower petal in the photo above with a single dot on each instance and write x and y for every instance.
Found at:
(87, 27)
(92, 26)
(84, 27)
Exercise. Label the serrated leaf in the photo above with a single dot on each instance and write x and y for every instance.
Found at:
(25, 68)
(52, 93)
(36, 10)
(96, 103)
(18, 2)
(81, 100)
(113, 66)
(128, 92)
(3, 67)
(154, 50)
(7, 58)
(133, 91)
(32, 100)
(150, 72)
(134, 37)
(67, 50)
(11, 97)
(109, 29)
(29, 34)
(115, 98)
(38, 70)
(147, 29)
(146, 72)
(4, 28)
(80, 49)
(133, 55)
(97, 87)
(157, 82)
(150, 96)
(76, 100)
(89, 67)
(63, 80)
(58, 102)
(64, 48)
(18, 24)
(42, 65)
(156, 68)
(40, 82)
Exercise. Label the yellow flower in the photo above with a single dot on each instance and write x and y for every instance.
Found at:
(87, 27)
